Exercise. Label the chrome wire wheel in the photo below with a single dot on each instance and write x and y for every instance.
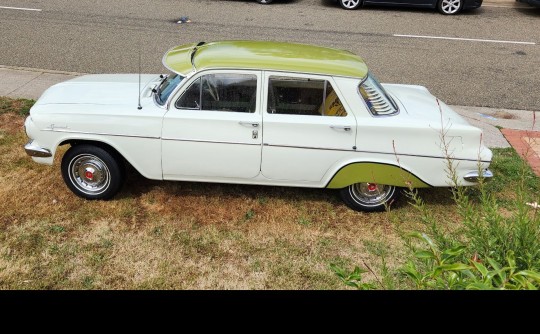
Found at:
(89, 174)
(350, 4)
(371, 194)
(449, 7)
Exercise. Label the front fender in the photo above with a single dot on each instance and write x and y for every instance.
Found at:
(144, 154)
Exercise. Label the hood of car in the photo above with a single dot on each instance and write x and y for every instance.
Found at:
(420, 104)
(98, 89)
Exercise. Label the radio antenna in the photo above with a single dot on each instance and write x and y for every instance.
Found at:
(139, 101)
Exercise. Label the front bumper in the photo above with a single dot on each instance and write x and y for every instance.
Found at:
(36, 151)
(474, 176)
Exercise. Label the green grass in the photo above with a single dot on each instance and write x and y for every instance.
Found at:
(16, 106)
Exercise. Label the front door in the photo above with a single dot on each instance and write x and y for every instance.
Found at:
(214, 128)
(307, 128)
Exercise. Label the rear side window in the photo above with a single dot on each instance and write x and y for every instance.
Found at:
(299, 96)
(221, 92)
(377, 100)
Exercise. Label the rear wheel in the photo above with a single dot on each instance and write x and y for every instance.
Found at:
(350, 4)
(368, 196)
(449, 7)
(92, 172)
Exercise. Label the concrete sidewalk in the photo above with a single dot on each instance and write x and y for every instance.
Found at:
(20, 82)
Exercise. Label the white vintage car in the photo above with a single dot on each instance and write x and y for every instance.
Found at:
(252, 112)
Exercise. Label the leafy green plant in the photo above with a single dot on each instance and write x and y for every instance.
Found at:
(353, 279)
(433, 268)
(496, 248)
(471, 258)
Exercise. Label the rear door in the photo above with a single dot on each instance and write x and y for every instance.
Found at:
(307, 127)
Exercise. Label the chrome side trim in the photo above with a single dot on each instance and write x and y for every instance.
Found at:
(372, 152)
(98, 133)
(36, 151)
(474, 176)
(210, 141)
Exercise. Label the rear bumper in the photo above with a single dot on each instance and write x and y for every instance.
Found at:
(36, 151)
(474, 176)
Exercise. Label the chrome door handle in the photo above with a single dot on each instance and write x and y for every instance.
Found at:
(253, 124)
(341, 127)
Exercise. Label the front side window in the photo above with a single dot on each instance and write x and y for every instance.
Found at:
(166, 87)
(221, 92)
(376, 98)
(299, 96)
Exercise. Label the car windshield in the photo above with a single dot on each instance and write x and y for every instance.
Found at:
(376, 97)
(167, 86)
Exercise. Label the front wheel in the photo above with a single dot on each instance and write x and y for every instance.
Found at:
(350, 4)
(449, 7)
(92, 172)
(368, 196)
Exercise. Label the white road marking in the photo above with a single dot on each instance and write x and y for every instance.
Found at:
(19, 8)
(466, 39)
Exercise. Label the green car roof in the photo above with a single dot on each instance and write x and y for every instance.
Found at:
(260, 55)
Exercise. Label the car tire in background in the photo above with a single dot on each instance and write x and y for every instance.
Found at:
(93, 172)
(368, 196)
(449, 7)
(350, 4)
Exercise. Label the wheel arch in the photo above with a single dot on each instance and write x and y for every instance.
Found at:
(106, 146)
(109, 147)
(381, 172)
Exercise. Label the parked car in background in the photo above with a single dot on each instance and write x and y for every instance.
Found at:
(253, 112)
(447, 7)
(534, 3)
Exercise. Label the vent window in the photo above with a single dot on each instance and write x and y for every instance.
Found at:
(377, 100)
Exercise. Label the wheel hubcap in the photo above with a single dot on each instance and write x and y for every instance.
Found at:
(450, 6)
(90, 174)
(371, 194)
(350, 3)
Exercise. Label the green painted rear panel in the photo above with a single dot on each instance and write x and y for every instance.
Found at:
(375, 173)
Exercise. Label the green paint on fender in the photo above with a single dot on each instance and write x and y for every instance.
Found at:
(271, 56)
(375, 173)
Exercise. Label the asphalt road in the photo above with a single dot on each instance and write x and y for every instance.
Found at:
(97, 36)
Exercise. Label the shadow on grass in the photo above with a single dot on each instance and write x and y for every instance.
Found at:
(136, 185)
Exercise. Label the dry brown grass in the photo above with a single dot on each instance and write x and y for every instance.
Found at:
(182, 235)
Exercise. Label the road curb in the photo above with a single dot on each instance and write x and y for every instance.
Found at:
(29, 69)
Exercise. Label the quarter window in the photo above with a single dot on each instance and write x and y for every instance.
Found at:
(299, 96)
(221, 92)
